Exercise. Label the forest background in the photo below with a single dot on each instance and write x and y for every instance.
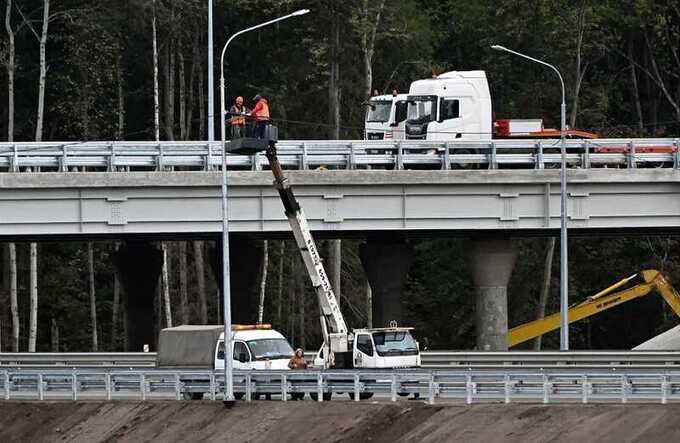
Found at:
(83, 70)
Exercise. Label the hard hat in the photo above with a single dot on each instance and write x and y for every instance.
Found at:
(257, 97)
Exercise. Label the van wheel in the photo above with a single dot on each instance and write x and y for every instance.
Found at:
(362, 395)
(326, 396)
(192, 395)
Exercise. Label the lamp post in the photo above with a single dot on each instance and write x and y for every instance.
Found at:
(564, 267)
(226, 295)
(211, 81)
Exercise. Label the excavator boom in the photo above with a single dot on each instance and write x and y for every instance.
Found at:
(602, 301)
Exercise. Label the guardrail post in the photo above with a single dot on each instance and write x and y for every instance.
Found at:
(584, 389)
(319, 386)
(74, 386)
(159, 159)
(284, 388)
(664, 390)
(624, 388)
(631, 155)
(178, 387)
(63, 167)
(430, 390)
(107, 382)
(41, 395)
(400, 156)
(304, 161)
(446, 159)
(255, 162)
(351, 164)
(356, 387)
(249, 387)
(208, 165)
(212, 386)
(7, 386)
(585, 163)
(676, 153)
(493, 161)
(393, 388)
(142, 386)
(546, 389)
(468, 389)
(112, 158)
(15, 158)
(539, 156)
(506, 383)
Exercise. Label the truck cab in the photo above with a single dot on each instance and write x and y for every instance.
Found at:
(385, 117)
(256, 349)
(454, 105)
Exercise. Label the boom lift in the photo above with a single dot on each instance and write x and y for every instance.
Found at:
(373, 348)
(644, 282)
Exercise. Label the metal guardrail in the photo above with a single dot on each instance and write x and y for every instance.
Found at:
(344, 154)
(78, 359)
(433, 386)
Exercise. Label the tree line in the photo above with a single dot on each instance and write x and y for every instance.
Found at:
(89, 70)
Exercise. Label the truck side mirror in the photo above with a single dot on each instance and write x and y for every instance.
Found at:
(242, 357)
(393, 124)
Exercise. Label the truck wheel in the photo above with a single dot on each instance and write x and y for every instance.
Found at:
(326, 396)
(239, 395)
(192, 395)
(362, 395)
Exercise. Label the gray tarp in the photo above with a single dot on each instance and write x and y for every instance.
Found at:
(668, 341)
(188, 346)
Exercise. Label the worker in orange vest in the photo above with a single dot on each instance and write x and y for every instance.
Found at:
(260, 114)
(238, 118)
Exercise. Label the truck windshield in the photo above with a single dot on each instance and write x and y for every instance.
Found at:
(422, 108)
(379, 111)
(270, 348)
(395, 343)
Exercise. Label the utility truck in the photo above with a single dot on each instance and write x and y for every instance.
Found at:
(391, 347)
(188, 347)
(385, 117)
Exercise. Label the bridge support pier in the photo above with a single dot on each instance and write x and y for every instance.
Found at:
(386, 263)
(139, 265)
(492, 261)
(245, 261)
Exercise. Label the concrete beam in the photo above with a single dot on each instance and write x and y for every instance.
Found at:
(386, 262)
(492, 261)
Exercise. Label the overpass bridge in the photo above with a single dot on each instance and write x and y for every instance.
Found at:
(384, 191)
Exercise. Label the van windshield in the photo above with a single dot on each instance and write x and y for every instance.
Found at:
(270, 348)
(379, 111)
(395, 343)
(422, 108)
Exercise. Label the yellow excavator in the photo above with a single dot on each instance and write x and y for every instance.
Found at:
(643, 283)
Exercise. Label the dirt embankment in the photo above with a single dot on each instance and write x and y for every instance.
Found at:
(277, 422)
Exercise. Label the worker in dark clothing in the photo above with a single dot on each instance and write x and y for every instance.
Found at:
(238, 118)
(260, 114)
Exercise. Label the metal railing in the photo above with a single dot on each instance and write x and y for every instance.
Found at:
(433, 386)
(343, 154)
(430, 359)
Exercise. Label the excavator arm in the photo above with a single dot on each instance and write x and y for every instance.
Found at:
(644, 282)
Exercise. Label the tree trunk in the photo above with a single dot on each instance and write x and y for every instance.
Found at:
(183, 291)
(169, 90)
(369, 29)
(182, 95)
(334, 81)
(54, 334)
(636, 91)
(120, 133)
(199, 262)
(580, 69)
(93, 298)
(33, 285)
(263, 281)
(369, 305)
(10, 72)
(191, 100)
(43, 71)
(13, 301)
(115, 305)
(165, 285)
(335, 266)
(202, 129)
(279, 287)
(545, 287)
(156, 105)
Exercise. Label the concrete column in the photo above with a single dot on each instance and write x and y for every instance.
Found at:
(139, 265)
(386, 263)
(492, 261)
(245, 261)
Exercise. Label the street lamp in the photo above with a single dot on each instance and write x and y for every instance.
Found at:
(226, 295)
(564, 267)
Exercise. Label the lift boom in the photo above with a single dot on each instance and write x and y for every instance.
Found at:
(603, 300)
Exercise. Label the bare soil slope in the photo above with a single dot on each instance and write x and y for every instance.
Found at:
(277, 422)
